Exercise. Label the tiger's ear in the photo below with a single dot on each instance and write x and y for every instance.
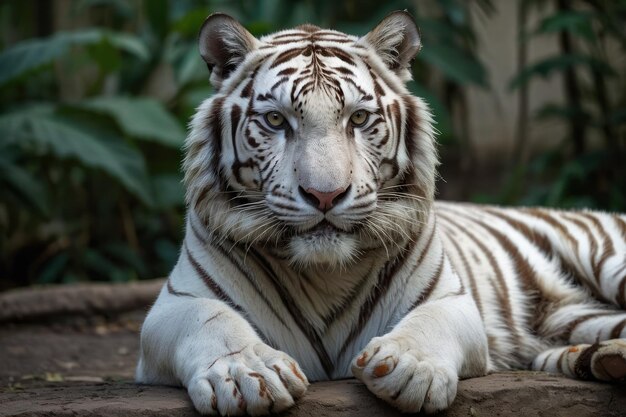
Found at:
(396, 40)
(224, 44)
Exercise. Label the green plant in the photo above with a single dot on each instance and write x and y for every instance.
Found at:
(90, 182)
(580, 172)
(92, 121)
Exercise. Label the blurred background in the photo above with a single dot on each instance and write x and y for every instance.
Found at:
(95, 95)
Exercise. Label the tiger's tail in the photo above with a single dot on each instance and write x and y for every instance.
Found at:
(603, 361)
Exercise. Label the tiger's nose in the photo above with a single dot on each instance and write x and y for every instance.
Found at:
(322, 200)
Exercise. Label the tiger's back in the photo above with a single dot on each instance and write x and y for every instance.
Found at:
(313, 247)
(540, 277)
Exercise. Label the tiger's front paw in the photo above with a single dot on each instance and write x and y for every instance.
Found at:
(404, 378)
(257, 380)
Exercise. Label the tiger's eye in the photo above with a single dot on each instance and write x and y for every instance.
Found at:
(359, 117)
(274, 119)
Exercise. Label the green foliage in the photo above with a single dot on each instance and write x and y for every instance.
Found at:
(580, 172)
(92, 122)
(90, 187)
(142, 118)
(31, 55)
(559, 63)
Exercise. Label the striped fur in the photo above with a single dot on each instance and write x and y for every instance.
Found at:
(314, 250)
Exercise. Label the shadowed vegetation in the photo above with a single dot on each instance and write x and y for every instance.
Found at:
(95, 96)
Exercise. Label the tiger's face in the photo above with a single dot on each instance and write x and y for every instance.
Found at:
(312, 144)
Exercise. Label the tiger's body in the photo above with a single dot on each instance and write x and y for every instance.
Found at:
(313, 248)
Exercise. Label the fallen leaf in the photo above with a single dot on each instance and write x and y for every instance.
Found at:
(84, 379)
(53, 377)
(15, 387)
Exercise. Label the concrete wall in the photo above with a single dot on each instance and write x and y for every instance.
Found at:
(495, 114)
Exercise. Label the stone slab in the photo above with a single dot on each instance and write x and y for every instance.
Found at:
(75, 357)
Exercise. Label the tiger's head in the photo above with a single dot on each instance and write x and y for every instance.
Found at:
(311, 144)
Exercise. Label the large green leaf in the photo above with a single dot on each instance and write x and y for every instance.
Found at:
(126, 256)
(191, 68)
(121, 8)
(168, 191)
(142, 118)
(53, 269)
(157, 15)
(576, 22)
(550, 110)
(436, 31)
(13, 125)
(45, 133)
(455, 64)
(189, 24)
(546, 67)
(23, 184)
(32, 54)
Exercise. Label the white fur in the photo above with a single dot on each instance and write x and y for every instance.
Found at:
(404, 294)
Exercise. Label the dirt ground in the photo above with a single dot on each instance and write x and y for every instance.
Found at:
(64, 357)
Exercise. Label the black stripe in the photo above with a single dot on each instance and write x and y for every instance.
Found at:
(556, 224)
(381, 287)
(541, 302)
(621, 293)
(470, 276)
(618, 329)
(572, 325)
(430, 287)
(235, 262)
(346, 304)
(209, 282)
(222, 296)
(171, 290)
(543, 243)
(287, 71)
(592, 242)
(559, 361)
(608, 249)
(286, 56)
(215, 123)
(502, 292)
(582, 366)
(247, 90)
(307, 328)
(419, 261)
(235, 116)
(535, 237)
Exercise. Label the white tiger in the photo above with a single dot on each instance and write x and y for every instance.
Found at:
(313, 248)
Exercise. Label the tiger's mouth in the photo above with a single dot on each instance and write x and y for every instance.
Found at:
(323, 243)
(323, 229)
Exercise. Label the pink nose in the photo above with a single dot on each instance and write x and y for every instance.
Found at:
(323, 201)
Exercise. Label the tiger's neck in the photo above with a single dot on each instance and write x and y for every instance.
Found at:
(324, 293)
(321, 292)
(335, 309)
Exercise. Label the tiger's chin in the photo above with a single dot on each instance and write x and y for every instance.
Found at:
(327, 248)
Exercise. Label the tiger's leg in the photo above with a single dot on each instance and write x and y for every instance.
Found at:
(585, 323)
(604, 361)
(596, 337)
(416, 366)
(209, 348)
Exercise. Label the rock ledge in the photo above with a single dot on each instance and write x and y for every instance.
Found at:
(60, 356)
